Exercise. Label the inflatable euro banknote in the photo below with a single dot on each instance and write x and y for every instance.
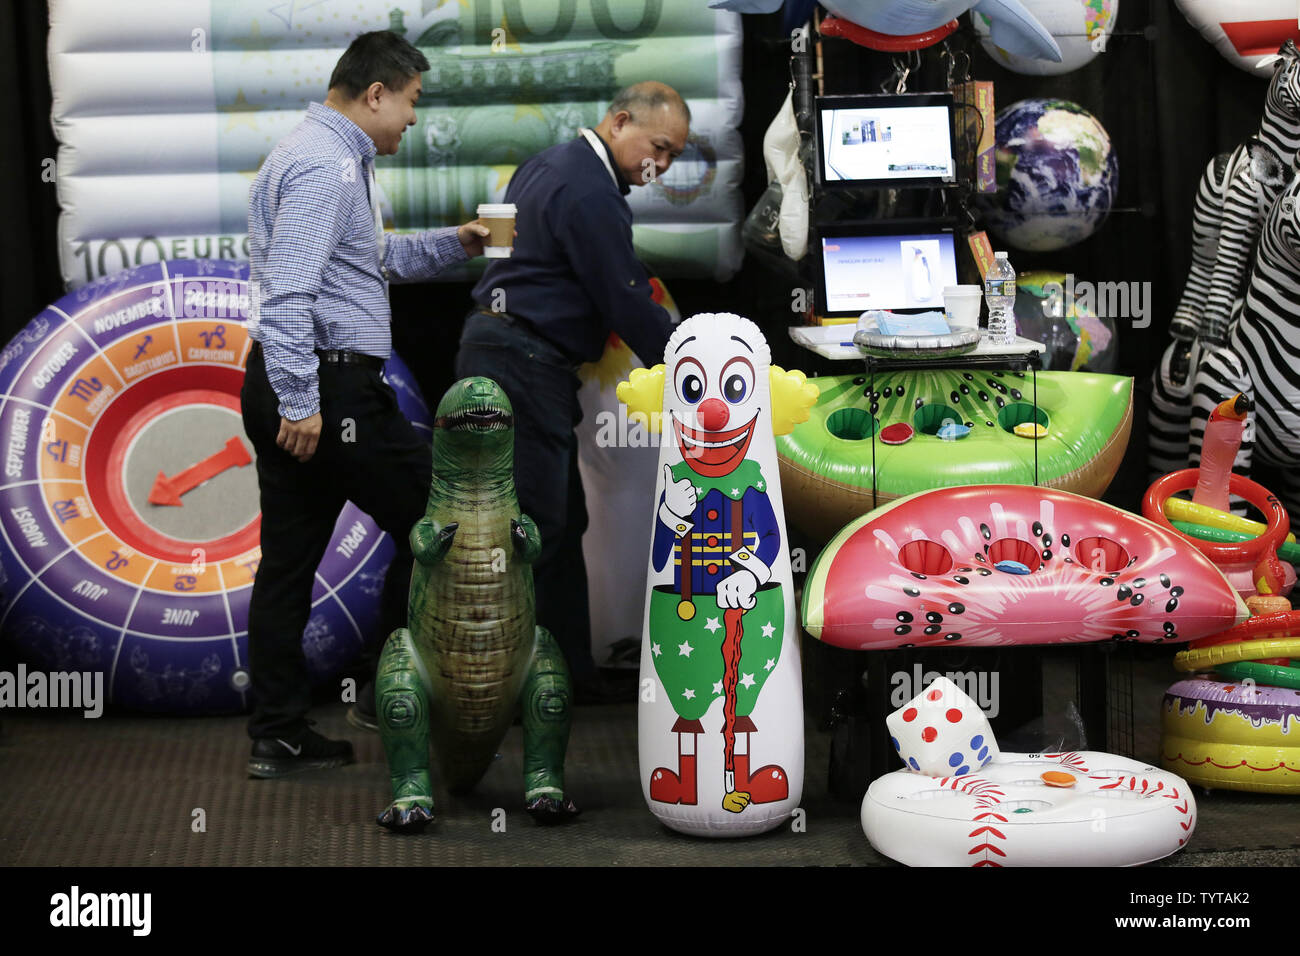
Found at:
(720, 721)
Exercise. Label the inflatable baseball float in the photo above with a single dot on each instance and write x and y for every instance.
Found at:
(961, 802)
(1011, 564)
(129, 498)
(720, 721)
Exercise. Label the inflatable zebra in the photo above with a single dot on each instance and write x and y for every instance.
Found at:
(1235, 194)
(1265, 338)
(1170, 414)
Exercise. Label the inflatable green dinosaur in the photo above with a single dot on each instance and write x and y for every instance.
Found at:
(472, 654)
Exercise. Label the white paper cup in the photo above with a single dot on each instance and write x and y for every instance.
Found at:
(500, 218)
(961, 306)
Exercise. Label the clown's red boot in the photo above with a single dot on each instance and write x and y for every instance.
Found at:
(768, 784)
(679, 787)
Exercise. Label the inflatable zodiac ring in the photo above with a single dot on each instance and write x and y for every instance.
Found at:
(129, 504)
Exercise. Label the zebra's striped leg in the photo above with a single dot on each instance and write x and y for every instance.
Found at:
(1277, 446)
(1288, 490)
(1169, 416)
(1221, 375)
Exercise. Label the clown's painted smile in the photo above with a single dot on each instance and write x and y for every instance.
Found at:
(713, 453)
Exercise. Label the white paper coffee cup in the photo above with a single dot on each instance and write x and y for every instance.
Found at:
(499, 217)
(961, 306)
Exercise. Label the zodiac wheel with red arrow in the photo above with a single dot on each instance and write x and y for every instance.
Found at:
(129, 511)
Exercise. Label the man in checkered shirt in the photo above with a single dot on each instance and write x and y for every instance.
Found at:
(325, 424)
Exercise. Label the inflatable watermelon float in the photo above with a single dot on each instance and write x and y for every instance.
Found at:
(826, 461)
(1010, 564)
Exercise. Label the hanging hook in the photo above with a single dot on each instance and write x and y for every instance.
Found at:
(897, 79)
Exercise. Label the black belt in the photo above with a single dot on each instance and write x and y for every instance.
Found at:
(334, 357)
(340, 357)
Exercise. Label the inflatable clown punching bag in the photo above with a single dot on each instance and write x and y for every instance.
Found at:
(720, 719)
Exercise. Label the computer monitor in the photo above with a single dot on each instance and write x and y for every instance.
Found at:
(898, 265)
(886, 140)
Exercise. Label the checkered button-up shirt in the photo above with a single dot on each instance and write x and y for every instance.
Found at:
(320, 280)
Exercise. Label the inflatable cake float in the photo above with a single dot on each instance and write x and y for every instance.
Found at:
(1232, 736)
(961, 802)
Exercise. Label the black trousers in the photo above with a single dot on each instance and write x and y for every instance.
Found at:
(384, 469)
(542, 385)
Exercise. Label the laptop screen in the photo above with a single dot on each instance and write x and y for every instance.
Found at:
(886, 140)
(885, 266)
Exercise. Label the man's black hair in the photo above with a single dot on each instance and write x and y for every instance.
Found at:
(381, 56)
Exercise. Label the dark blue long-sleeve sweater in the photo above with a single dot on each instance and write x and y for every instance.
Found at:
(574, 275)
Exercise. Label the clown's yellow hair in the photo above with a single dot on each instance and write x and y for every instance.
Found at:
(793, 397)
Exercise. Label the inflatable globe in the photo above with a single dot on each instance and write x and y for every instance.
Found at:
(1077, 339)
(1080, 28)
(1057, 176)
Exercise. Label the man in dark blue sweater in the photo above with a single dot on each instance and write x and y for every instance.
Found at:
(573, 278)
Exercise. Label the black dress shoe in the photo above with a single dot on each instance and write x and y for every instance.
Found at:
(305, 750)
(594, 688)
(362, 714)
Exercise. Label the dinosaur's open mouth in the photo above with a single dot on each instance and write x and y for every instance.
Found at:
(481, 418)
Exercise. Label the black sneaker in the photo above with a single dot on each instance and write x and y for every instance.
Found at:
(595, 689)
(362, 714)
(305, 750)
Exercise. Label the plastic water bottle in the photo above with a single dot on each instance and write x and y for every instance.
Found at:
(1000, 297)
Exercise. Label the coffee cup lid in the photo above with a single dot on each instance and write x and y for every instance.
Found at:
(492, 210)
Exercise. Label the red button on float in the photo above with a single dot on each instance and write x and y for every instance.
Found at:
(896, 434)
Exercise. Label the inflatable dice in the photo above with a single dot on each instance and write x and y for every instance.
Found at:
(942, 732)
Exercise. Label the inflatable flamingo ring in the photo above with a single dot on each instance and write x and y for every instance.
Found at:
(1252, 567)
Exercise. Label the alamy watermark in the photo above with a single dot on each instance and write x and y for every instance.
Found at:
(979, 686)
(1107, 300)
(207, 298)
(76, 908)
(71, 690)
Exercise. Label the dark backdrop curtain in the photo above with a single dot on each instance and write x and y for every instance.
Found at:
(29, 270)
(1167, 98)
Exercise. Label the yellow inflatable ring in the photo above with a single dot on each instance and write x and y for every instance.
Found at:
(1205, 658)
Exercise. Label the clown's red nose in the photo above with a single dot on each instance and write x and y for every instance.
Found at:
(713, 414)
